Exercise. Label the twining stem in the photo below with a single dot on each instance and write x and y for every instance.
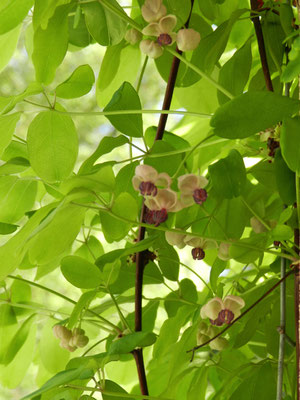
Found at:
(115, 327)
(261, 45)
(282, 336)
(243, 314)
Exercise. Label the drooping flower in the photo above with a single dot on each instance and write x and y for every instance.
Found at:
(199, 244)
(153, 10)
(223, 253)
(163, 30)
(159, 206)
(70, 340)
(151, 48)
(206, 333)
(222, 312)
(133, 36)
(147, 180)
(175, 239)
(192, 189)
(187, 39)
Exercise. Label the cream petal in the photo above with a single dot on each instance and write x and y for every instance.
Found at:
(167, 23)
(187, 200)
(257, 226)
(223, 253)
(152, 49)
(202, 182)
(166, 198)
(188, 183)
(195, 241)
(212, 308)
(175, 239)
(153, 10)
(201, 339)
(163, 180)
(152, 204)
(234, 304)
(187, 39)
(136, 181)
(202, 327)
(210, 244)
(218, 344)
(133, 36)
(146, 173)
(151, 29)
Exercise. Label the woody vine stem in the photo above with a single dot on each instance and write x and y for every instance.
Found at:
(141, 257)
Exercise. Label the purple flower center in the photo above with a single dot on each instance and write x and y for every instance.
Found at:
(198, 253)
(200, 195)
(155, 217)
(148, 189)
(164, 39)
(225, 317)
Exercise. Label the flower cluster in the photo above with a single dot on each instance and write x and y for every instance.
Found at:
(222, 312)
(160, 199)
(161, 26)
(70, 340)
(206, 333)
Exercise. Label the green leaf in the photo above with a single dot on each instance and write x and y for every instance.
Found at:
(56, 234)
(106, 145)
(228, 175)
(104, 26)
(79, 35)
(251, 113)
(16, 197)
(282, 232)
(216, 269)
(7, 128)
(8, 44)
(50, 45)
(290, 143)
(78, 84)
(62, 378)
(113, 387)
(264, 172)
(11, 101)
(124, 206)
(163, 163)
(131, 341)
(80, 272)
(12, 13)
(168, 261)
(18, 340)
(126, 98)
(52, 145)
(179, 8)
(120, 63)
(249, 249)
(6, 229)
(235, 73)
(285, 180)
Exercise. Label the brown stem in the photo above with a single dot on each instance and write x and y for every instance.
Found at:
(297, 310)
(141, 258)
(242, 315)
(261, 45)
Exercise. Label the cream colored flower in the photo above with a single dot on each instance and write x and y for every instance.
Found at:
(153, 10)
(220, 312)
(199, 244)
(163, 30)
(133, 36)
(223, 252)
(192, 189)
(206, 333)
(164, 199)
(187, 39)
(175, 239)
(147, 179)
(151, 48)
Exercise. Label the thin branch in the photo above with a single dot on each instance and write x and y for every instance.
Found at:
(261, 45)
(282, 334)
(243, 314)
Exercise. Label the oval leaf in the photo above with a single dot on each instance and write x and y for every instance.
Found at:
(290, 143)
(80, 272)
(129, 342)
(52, 145)
(78, 84)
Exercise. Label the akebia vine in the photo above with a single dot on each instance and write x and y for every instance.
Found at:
(147, 250)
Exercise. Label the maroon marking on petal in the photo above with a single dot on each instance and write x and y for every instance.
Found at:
(160, 216)
(164, 39)
(198, 253)
(226, 316)
(216, 322)
(148, 189)
(200, 195)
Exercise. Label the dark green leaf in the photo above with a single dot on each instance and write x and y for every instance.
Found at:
(290, 143)
(251, 113)
(129, 342)
(126, 98)
(285, 179)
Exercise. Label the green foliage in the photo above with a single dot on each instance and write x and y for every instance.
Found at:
(98, 283)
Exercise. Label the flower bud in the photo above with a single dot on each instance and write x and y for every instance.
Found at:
(202, 338)
(187, 39)
(151, 48)
(61, 332)
(153, 10)
(133, 36)
(65, 345)
(218, 344)
(79, 341)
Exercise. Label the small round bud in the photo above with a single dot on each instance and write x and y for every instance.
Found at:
(187, 39)
(133, 36)
(66, 345)
(61, 332)
(82, 341)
